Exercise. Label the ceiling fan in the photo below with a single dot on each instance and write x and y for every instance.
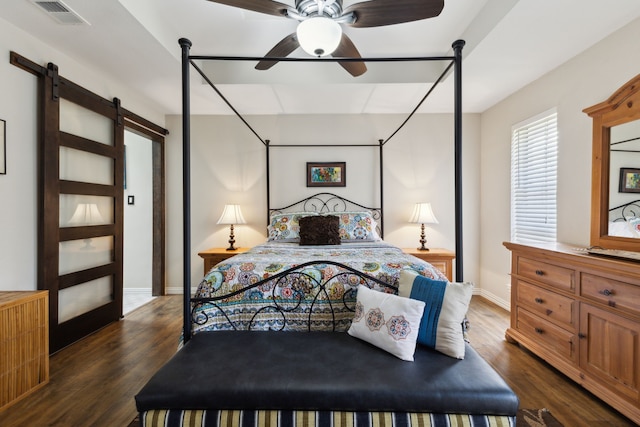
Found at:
(319, 32)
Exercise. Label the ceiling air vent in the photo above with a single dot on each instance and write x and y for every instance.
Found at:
(60, 12)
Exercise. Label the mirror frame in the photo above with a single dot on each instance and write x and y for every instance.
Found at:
(621, 107)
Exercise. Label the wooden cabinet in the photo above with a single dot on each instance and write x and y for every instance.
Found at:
(213, 256)
(24, 344)
(580, 313)
(442, 259)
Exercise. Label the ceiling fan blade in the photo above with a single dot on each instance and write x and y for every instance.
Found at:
(346, 49)
(263, 6)
(280, 50)
(376, 13)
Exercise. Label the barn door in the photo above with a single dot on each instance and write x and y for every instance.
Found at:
(81, 209)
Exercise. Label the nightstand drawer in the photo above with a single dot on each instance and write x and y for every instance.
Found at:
(548, 305)
(552, 275)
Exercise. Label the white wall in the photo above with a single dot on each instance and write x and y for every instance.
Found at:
(581, 82)
(228, 166)
(18, 106)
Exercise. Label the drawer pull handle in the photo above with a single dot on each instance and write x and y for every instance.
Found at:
(539, 330)
(582, 336)
(539, 272)
(539, 300)
(606, 292)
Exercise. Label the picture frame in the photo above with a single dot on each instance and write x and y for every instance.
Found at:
(629, 180)
(326, 174)
(3, 147)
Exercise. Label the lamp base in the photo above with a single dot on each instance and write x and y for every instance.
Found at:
(423, 240)
(231, 240)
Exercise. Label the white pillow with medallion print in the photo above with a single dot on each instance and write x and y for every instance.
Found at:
(387, 321)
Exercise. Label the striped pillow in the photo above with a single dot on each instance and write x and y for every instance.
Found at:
(446, 305)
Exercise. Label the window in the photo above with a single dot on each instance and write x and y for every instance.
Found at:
(534, 166)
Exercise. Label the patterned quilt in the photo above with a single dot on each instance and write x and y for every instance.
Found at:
(321, 297)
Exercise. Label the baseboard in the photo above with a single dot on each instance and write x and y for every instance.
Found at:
(177, 290)
(494, 299)
(137, 291)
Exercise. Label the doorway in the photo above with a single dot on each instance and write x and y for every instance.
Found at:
(138, 221)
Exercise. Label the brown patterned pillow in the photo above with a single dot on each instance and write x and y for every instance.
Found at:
(320, 230)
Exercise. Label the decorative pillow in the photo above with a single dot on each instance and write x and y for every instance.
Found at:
(319, 230)
(285, 227)
(387, 321)
(358, 226)
(446, 305)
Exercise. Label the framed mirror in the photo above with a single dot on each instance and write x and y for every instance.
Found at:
(615, 186)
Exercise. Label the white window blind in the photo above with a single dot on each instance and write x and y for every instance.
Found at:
(534, 167)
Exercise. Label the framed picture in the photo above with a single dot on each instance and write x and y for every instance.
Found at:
(629, 180)
(3, 147)
(326, 174)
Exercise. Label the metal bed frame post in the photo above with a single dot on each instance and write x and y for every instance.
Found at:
(457, 50)
(267, 146)
(381, 141)
(186, 189)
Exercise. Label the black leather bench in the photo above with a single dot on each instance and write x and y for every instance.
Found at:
(321, 371)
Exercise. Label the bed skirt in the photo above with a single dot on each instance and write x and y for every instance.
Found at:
(251, 418)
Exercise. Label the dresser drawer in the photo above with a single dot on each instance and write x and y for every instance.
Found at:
(612, 292)
(547, 334)
(550, 274)
(549, 305)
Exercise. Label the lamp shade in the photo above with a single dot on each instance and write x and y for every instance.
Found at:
(231, 215)
(319, 36)
(86, 214)
(423, 214)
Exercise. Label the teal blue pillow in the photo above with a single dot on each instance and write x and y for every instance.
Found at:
(446, 306)
(432, 293)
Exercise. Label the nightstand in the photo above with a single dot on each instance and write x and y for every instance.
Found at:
(215, 255)
(442, 259)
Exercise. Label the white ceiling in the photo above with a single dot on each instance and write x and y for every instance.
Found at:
(509, 43)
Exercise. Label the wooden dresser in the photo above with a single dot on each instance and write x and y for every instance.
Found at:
(24, 344)
(580, 313)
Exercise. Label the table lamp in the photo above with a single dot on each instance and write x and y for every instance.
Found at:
(231, 215)
(423, 214)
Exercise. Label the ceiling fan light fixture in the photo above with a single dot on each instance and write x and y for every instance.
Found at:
(319, 36)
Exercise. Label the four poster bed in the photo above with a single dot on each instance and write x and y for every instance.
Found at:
(324, 325)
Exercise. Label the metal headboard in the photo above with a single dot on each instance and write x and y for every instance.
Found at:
(626, 211)
(329, 203)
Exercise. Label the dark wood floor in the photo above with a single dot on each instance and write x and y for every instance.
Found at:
(93, 381)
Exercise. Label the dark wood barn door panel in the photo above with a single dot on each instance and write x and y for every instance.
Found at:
(82, 179)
